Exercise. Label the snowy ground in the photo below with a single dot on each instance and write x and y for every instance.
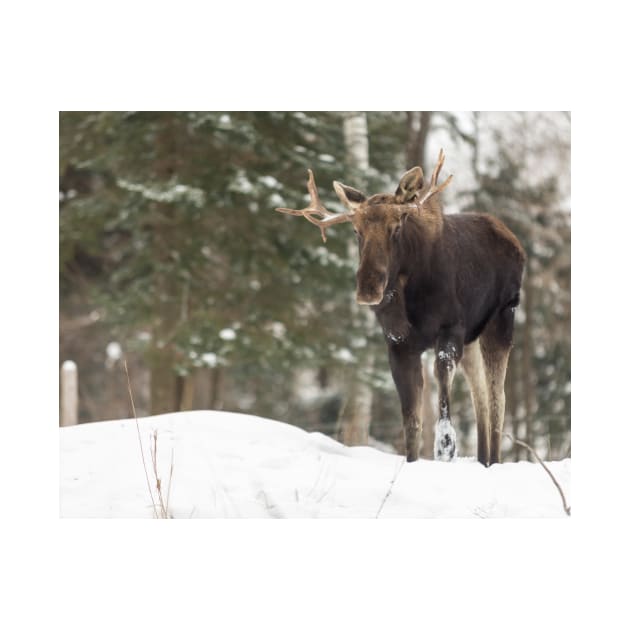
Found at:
(235, 465)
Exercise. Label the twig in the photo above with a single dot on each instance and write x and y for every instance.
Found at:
(391, 487)
(144, 464)
(158, 481)
(170, 479)
(566, 507)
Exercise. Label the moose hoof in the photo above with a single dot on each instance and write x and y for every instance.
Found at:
(445, 448)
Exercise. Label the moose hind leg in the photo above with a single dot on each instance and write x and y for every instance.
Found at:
(448, 353)
(496, 343)
(474, 371)
(406, 370)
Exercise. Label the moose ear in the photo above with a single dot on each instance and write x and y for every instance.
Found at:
(410, 183)
(350, 197)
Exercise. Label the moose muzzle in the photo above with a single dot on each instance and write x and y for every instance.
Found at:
(370, 286)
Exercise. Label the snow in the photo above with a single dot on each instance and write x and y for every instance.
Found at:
(445, 445)
(69, 366)
(344, 355)
(269, 181)
(235, 465)
(326, 257)
(276, 200)
(166, 194)
(114, 351)
(241, 183)
(358, 342)
(227, 334)
(210, 359)
(277, 329)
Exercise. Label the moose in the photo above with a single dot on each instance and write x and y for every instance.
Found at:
(450, 282)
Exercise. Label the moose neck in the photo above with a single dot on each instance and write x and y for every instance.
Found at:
(418, 241)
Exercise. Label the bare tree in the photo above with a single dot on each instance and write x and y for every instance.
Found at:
(356, 414)
(418, 126)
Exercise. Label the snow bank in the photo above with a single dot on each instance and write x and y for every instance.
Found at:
(236, 465)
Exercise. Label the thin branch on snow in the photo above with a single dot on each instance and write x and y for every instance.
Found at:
(391, 487)
(170, 479)
(158, 481)
(144, 464)
(566, 507)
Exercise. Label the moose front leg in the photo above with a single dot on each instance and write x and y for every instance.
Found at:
(406, 367)
(448, 352)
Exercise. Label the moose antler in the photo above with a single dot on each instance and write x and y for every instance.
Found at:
(434, 188)
(316, 208)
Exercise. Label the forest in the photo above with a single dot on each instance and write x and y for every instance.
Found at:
(173, 260)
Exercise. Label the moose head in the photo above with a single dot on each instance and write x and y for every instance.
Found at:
(378, 222)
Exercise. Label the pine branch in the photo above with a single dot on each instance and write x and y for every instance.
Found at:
(144, 464)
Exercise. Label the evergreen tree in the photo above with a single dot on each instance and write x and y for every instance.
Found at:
(170, 247)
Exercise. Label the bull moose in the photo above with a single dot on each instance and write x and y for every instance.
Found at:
(447, 282)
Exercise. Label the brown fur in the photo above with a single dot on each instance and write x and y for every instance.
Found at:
(447, 282)
(474, 370)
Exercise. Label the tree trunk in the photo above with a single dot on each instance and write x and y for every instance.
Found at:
(201, 388)
(356, 415)
(418, 125)
(476, 120)
(164, 387)
(355, 137)
(163, 383)
(186, 394)
(216, 388)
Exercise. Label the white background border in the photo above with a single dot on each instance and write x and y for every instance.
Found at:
(236, 574)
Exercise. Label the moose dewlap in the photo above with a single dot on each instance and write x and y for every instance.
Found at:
(447, 282)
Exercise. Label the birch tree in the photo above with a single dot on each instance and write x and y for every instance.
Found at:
(357, 412)
(418, 126)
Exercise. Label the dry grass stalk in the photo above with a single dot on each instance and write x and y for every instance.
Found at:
(162, 504)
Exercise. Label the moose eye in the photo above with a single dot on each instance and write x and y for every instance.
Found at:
(396, 230)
